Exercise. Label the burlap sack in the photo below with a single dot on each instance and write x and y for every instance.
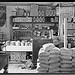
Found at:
(55, 50)
(48, 46)
(65, 51)
(54, 55)
(57, 69)
(42, 61)
(41, 69)
(65, 70)
(44, 54)
(54, 60)
(73, 63)
(66, 66)
(66, 62)
(40, 51)
(65, 57)
(53, 65)
(44, 65)
(43, 58)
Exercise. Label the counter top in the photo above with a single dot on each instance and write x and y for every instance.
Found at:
(18, 48)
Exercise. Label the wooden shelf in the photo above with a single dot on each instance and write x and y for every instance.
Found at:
(22, 22)
(33, 24)
(46, 22)
(25, 37)
(20, 16)
(38, 22)
(22, 29)
(42, 29)
(71, 36)
(70, 29)
(35, 16)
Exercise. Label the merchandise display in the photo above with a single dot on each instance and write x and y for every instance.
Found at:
(18, 49)
(19, 43)
(40, 35)
(56, 60)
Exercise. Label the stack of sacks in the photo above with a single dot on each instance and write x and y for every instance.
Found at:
(73, 60)
(54, 60)
(66, 60)
(43, 62)
(43, 57)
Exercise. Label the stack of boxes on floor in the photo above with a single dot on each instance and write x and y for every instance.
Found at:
(66, 60)
(55, 60)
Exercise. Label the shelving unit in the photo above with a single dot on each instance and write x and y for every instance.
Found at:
(45, 26)
(71, 22)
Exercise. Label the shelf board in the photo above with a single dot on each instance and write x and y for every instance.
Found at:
(71, 36)
(23, 29)
(15, 62)
(38, 22)
(25, 37)
(42, 29)
(22, 22)
(35, 16)
(21, 16)
(70, 29)
(46, 22)
(71, 22)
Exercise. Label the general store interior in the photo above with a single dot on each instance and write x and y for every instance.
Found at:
(37, 37)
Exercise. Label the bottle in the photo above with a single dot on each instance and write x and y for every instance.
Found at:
(34, 19)
(43, 19)
(52, 20)
(42, 13)
(37, 19)
(39, 13)
(69, 45)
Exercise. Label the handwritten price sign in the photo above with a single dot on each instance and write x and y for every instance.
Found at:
(66, 12)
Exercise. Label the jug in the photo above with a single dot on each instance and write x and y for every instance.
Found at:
(20, 12)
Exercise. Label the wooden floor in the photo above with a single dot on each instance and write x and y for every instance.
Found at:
(16, 68)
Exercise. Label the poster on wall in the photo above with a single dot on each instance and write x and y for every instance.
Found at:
(66, 12)
(2, 15)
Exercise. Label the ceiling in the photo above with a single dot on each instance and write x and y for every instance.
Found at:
(24, 3)
(40, 3)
